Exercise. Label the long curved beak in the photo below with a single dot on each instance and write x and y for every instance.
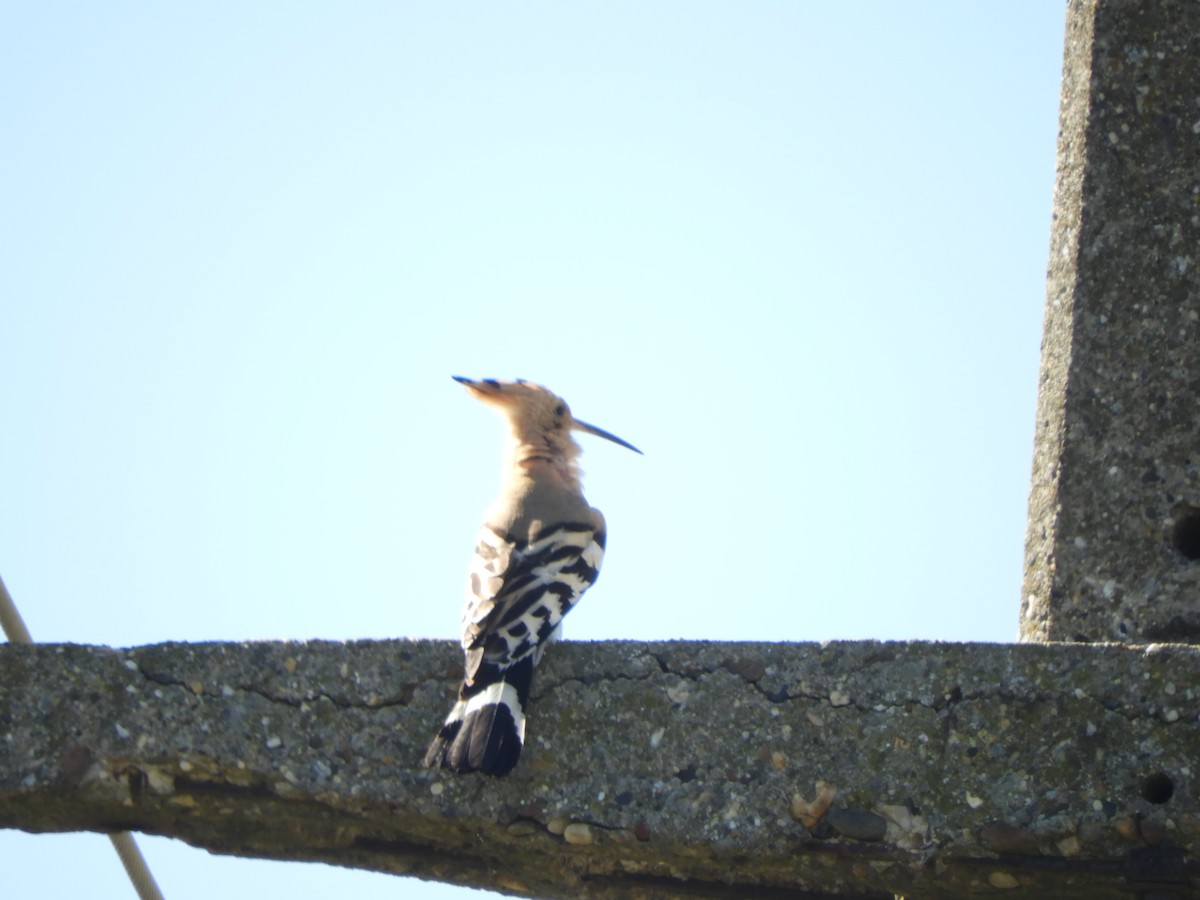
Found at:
(600, 432)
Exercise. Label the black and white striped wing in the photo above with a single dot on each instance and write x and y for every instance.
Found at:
(519, 591)
(517, 596)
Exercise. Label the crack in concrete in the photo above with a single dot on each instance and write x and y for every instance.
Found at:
(295, 702)
(545, 687)
(779, 695)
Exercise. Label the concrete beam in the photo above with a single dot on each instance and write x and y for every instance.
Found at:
(652, 770)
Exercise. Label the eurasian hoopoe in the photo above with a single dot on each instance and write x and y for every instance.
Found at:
(539, 549)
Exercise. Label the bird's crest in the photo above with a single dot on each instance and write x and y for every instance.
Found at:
(540, 422)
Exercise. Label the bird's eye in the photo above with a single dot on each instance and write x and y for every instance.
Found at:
(559, 410)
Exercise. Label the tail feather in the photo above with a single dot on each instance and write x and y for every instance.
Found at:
(485, 730)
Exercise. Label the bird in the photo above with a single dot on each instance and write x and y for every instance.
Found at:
(539, 549)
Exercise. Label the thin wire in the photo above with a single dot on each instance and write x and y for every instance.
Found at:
(122, 841)
(14, 625)
(135, 866)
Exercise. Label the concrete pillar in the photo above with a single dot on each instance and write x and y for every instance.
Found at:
(1113, 545)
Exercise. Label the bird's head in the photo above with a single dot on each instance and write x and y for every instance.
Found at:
(540, 420)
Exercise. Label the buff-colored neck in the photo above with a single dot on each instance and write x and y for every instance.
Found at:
(551, 457)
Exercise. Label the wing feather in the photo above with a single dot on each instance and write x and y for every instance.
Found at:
(518, 591)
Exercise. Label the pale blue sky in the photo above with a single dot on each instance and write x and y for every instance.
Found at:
(793, 251)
